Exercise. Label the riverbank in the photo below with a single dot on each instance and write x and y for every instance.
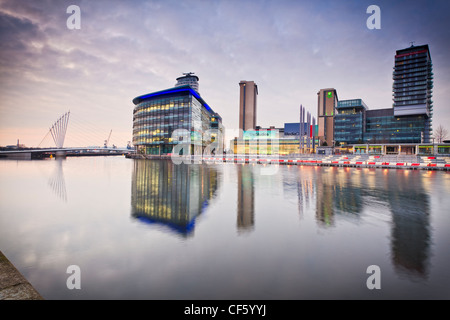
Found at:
(13, 285)
(348, 160)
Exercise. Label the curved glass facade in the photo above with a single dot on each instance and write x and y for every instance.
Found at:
(156, 116)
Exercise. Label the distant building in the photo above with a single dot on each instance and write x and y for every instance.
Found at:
(326, 105)
(247, 105)
(257, 141)
(272, 140)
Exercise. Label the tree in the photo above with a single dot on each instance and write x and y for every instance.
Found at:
(440, 133)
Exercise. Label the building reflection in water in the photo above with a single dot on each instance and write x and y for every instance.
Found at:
(246, 199)
(298, 185)
(410, 236)
(325, 198)
(305, 191)
(339, 193)
(171, 195)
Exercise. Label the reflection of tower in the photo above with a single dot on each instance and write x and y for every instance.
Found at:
(57, 182)
(305, 194)
(171, 195)
(324, 201)
(246, 198)
(410, 228)
(347, 193)
(340, 196)
(299, 186)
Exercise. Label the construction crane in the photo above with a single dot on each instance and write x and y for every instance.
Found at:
(107, 141)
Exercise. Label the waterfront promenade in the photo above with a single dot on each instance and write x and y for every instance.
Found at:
(424, 162)
(13, 285)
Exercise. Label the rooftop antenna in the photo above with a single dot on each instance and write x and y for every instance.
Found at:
(412, 43)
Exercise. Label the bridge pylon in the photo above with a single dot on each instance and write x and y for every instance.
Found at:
(59, 129)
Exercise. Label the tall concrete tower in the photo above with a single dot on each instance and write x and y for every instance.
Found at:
(247, 105)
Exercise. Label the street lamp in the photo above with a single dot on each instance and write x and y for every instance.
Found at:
(433, 146)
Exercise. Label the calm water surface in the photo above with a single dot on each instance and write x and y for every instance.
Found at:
(153, 230)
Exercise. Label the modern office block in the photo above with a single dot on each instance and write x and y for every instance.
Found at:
(350, 121)
(413, 85)
(158, 115)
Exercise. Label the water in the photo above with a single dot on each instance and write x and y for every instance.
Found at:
(153, 230)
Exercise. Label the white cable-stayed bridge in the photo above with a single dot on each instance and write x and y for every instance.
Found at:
(78, 132)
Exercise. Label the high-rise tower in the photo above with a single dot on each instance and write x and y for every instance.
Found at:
(247, 105)
(413, 85)
(326, 105)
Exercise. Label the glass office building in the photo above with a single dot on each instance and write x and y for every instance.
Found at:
(413, 86)
(350, 121)
(166, 118)
(408, 121)
(356, 124)
(382, 126)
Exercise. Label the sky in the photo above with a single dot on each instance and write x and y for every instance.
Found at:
(124, 49)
